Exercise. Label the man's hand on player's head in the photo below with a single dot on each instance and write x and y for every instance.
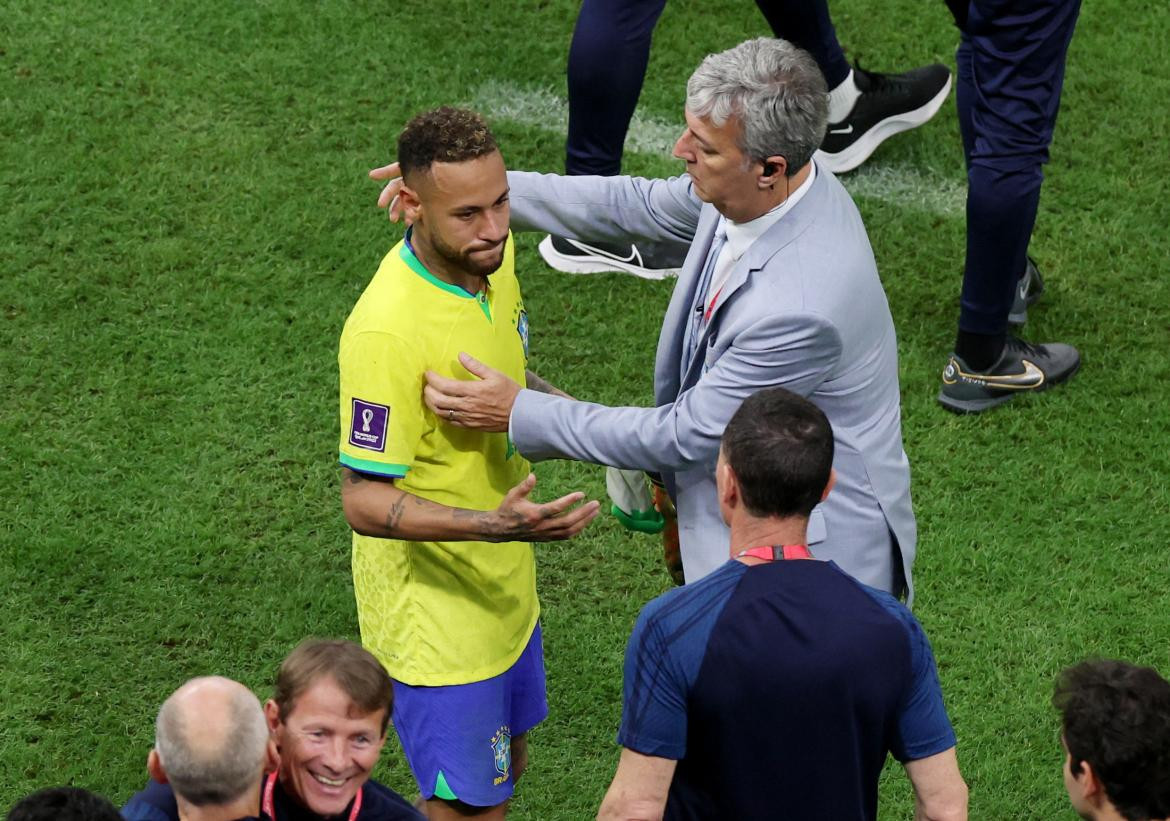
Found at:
(480, 404)
(388, 199)
(521, 519)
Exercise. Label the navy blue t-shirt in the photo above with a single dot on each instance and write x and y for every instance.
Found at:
(779, 688)
(379, 803)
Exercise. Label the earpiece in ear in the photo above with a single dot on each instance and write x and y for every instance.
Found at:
(769, 168)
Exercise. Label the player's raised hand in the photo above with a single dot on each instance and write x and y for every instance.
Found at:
(521, 519)
(484, 403)
(388, 199)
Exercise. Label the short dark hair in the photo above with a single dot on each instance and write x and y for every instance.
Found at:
(780, 447)
(445, 134)
(1116, 716)
(360, 676)
(63, 804)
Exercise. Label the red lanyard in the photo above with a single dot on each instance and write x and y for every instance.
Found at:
(270, 785)
(772, 552)
(711, 307)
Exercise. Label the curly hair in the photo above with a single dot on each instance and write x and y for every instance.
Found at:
(1116, 716)
(445, 134)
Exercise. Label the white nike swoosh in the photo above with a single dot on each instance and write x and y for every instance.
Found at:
(633, 257)
(847, 130)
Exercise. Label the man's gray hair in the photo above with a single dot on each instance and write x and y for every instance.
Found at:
(206, 764)
(774, 89)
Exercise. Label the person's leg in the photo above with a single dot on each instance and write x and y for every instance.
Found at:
(807, 23)
(512, 703)
(1011, 62)
(529, 699)
(519, 757)
(607, 64)
(458, 741)
(438, 809)
(865, 108)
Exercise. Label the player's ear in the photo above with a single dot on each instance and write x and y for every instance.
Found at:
(411, 204)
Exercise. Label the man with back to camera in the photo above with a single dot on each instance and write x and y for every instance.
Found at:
(326, 724)
(1115, 731)
(444, 570)
(211, 747)
(780, 288)
(775, 686)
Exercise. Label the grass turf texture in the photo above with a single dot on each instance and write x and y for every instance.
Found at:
(187, 224)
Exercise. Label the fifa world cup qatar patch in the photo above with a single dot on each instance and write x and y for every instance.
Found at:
(368, 427)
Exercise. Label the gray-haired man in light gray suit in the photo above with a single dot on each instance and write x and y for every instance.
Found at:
(779, 288)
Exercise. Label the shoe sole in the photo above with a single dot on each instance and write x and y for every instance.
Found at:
(972, 406)
(595, 265)
(853, 156)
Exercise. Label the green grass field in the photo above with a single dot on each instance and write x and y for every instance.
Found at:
(186, 223)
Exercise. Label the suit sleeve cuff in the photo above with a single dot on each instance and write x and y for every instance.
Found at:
(530, 417)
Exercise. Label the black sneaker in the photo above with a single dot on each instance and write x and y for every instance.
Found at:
(576, 257)
(1022, 368)
(1028, 290)
(888, 105)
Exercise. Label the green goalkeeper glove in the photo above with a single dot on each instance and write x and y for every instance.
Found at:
(632, 503)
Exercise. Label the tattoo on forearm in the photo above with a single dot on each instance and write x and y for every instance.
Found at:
(394, 516)
(535, 383)
(480, 520)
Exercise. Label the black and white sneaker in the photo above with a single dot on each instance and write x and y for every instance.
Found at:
(1028, 290)
(888, 105)
(576, 257)
(1022, 368)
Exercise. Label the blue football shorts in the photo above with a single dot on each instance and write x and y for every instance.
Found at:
(458, 738)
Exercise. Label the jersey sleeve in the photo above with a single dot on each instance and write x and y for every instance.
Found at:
(923, 726)
(654, 697)
(383, 417)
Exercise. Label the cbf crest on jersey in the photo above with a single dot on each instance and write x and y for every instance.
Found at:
(502, 753)
(522, 329)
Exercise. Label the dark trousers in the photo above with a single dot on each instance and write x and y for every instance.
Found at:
(1010, 60)
(607, 64)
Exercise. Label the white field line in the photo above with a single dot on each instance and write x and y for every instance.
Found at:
(541, 108)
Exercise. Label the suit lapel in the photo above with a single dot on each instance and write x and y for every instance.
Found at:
(757, 256)
(668, 359)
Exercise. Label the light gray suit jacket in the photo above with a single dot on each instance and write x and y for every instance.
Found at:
(803, 309)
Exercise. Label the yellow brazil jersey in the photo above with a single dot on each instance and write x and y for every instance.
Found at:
(435, 613)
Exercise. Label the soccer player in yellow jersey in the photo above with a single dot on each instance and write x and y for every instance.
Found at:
(443, 566)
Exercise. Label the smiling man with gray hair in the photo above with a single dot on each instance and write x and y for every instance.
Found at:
(779, 289)
(211, 743)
